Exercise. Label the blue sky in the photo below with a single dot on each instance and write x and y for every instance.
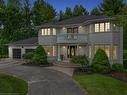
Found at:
(62, 4)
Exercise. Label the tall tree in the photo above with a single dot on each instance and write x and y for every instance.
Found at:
(68, 13)
(42, 12)
(95, 11)
(79, 11)
(61, 15)
(111, 7)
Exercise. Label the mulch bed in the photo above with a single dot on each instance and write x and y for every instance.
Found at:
(119, 75)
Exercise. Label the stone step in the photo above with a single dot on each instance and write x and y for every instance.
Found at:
(69, 65)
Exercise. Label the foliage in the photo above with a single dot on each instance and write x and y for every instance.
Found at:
(118, 67)
(79, 60)
(39, 56)
(111, 7)
(80, 11)
(125, 63)
(100, 62)
(77, 11)
(28, 55)
(95, 11)
(42, 12)
(96, 84)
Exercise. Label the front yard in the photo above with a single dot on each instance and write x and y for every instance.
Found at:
(96, 84)
(12, 86)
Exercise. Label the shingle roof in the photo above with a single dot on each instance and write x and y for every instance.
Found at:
(29, 41)
(80, 19)
(75, 20)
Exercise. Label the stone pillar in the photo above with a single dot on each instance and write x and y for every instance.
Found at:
(58, 53)
(22, 51)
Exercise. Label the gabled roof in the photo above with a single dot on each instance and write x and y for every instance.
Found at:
(29, 41)
(75, 21)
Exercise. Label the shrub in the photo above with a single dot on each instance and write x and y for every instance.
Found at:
(39, 56)
(125, 63)
(100, 62)
(28, 55)
(80, 60)
(118, 67)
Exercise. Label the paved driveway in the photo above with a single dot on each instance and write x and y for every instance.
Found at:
(43, 81)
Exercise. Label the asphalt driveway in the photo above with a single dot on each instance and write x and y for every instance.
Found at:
(43, 81)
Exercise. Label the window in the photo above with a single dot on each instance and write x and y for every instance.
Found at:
(42, 32)
(96, 27)
(54, 31)
(115, 53)
(107, 50)
(90, 51)
(54, 51)
(102, 27)
(48, 31)
(107, 27)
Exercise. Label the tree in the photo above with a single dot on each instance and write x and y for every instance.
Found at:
(95, 11)
(68, 13)
(61, 15)
(100, 62)
(79, 11)
(111, 7)
(42, 12)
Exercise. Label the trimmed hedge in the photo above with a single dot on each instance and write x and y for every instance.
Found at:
(100, 62)
(118, 67)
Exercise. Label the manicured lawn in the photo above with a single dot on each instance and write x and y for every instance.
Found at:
(12, 86)
(96, 84)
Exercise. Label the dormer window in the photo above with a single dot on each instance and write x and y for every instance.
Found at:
(48, 31)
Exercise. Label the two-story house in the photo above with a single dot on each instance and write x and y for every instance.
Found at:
(76, 36)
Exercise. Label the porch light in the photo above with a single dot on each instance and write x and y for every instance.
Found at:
(80, 47)
(64, 47)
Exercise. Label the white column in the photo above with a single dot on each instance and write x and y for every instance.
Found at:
(22, 51)
(58, 53)
(10, 52)
(111, 53)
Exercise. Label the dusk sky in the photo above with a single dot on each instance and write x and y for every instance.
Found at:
(62, 4)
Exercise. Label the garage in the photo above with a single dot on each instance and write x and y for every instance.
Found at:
(17, 53)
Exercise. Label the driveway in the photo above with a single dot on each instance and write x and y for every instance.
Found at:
(43, 81)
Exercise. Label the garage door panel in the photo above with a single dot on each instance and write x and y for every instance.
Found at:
(17, 53)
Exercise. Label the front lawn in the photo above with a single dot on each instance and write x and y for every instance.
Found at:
(12, 86)
(96, 84)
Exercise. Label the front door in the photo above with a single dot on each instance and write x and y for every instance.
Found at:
(71, 51)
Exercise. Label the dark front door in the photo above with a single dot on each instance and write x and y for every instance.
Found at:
(17, 53)
(71, 51)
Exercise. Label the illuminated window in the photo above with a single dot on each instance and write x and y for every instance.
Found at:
(115, 53)
(96, 27)
(107, 27)
(102, 27)
(90, 51)
(48, 32)
(42, 32)
(54, 31)
(107, 50)
(54, 51)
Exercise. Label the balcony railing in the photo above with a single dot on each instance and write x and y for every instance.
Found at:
(72, 38)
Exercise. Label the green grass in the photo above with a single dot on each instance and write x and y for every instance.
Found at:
(12, 86)
(96, 84)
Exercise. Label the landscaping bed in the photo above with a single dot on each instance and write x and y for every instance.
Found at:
(119, 75)
(10, 85)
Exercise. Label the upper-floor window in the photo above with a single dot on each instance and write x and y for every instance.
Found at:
(102, 27)
(48, 31)
(72, 30)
